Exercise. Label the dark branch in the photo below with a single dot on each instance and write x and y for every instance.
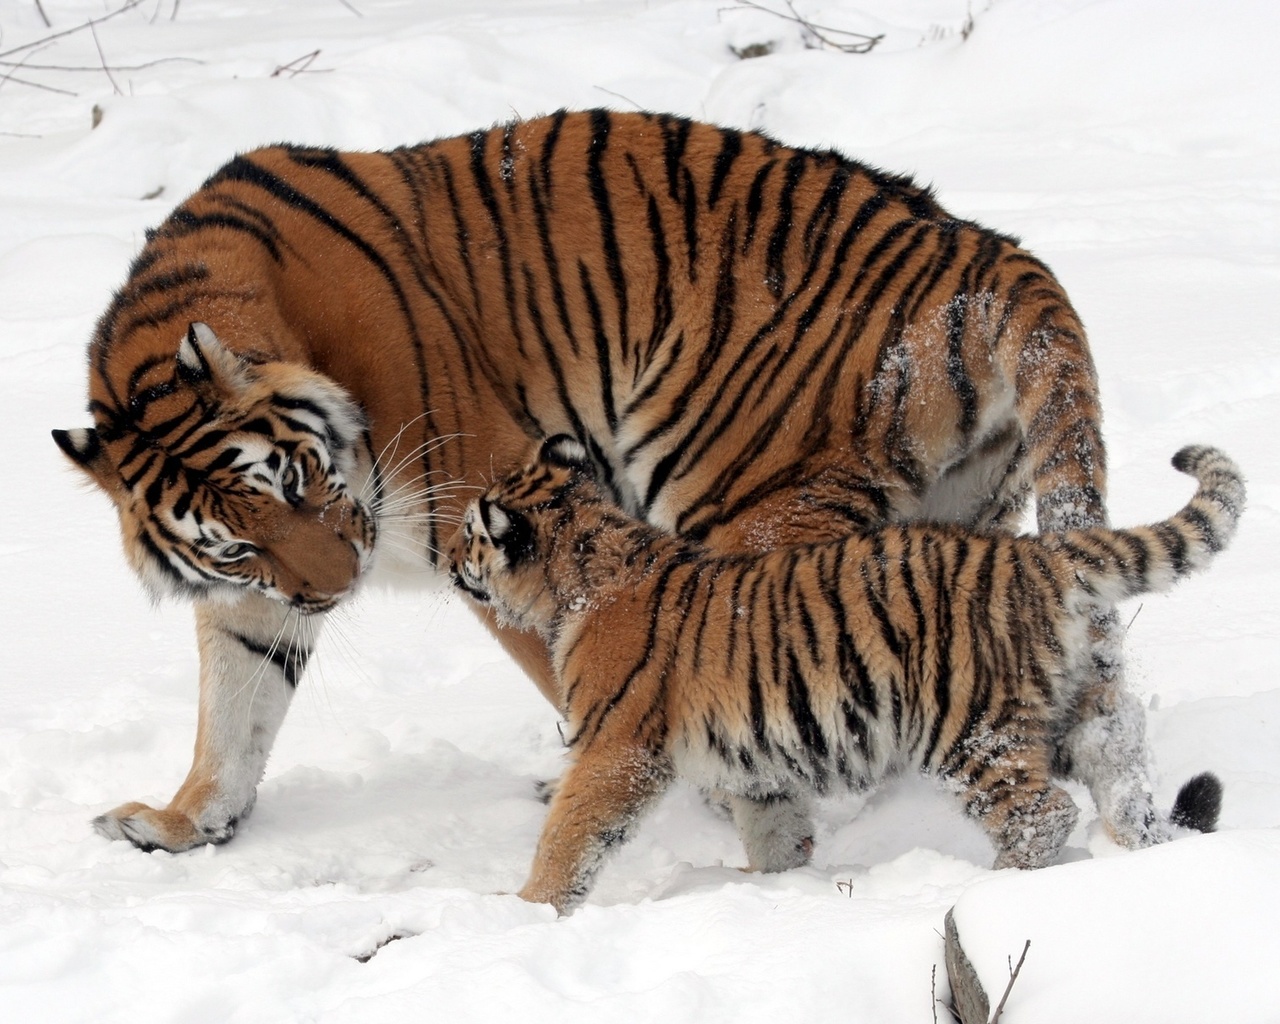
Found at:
(863, 43)
(128, 6)
(1013, 976)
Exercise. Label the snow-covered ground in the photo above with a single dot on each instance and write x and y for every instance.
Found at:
(1133, 144)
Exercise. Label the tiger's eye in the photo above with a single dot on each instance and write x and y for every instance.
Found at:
(235, 552)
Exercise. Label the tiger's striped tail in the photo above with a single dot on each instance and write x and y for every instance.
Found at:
(1117, 564)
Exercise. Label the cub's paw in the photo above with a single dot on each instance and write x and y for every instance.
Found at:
(149, 829)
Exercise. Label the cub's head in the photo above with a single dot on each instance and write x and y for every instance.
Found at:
(509, 551)
(231, 475)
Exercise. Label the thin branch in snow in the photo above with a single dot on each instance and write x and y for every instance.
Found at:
(19, 65)
(95, 68)
(862, 43)
(103, 57)
(128, 6)
(351, 8)
(43, 17)
(298, 65)
(1013, 976)
(1134, 619)
(628, 99)
(935, 1002)
(8, 77)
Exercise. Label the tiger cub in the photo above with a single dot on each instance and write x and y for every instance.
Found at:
(788, 673)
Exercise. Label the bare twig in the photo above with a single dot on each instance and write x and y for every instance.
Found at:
(822, 33)
(296, 66)
(935, 1002)
(22, 65)
(103, 57)
(97, 68)
(1013, 976)
(621, 97)
(43, 17)
(128, 6)
(8, 77)
(1134, 619)
(351, 8)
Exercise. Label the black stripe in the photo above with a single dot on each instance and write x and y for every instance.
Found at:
(601, 340)
(540, 208)
(291, 662)
(182, 223)
(755, 202)
(601, 125)
(549, 143)
(775, 269)
(549, 354)
(730, 150)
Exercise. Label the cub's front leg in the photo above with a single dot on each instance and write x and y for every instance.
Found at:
(601, 796)
(252, 654)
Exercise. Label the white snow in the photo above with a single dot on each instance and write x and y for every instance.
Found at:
(1132, 144)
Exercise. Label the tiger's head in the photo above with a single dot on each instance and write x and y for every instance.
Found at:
(514, 548)
(231, 475)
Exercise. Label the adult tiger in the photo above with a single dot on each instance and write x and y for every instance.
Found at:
(919, 647)
(757, 344)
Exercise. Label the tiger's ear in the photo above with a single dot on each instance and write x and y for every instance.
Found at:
(84, 448)
(511, 533)
(568, 451)
(204, 362)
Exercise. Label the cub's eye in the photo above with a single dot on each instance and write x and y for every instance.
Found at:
(235, 552)
(291, 485)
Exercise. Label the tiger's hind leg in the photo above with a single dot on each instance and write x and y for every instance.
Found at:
(1106, 749)
(1043, 349)
(776, 830)
(1006, 786)
(251, 656)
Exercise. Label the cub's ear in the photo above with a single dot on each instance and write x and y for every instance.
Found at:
(511, 533)
(565, 450)
(83, 447)
(203, 361)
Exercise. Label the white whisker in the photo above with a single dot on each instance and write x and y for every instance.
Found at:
(404, 494)
(255, 680)
(426, 447)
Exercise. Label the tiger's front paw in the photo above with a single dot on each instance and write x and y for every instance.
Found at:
(149, 829)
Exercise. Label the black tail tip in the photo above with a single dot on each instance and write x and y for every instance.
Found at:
(1185, 459)
(1198, 803)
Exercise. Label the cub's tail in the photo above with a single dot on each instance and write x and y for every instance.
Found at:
(1114, 564)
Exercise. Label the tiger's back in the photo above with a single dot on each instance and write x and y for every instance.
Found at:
(726, 322)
